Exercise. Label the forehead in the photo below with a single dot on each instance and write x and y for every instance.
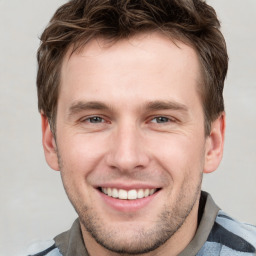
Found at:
(143, 64)
(150, 44)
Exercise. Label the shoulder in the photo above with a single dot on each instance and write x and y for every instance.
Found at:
(43, 248)
(233, 227)
(231, 237)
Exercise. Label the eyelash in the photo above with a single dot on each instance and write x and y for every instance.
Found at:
(158, 120)
(98, 119)
(90, 120)
(166, 119)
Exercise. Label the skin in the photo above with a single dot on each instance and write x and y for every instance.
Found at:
(129, 115)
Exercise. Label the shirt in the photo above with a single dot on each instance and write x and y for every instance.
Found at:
(217, 235)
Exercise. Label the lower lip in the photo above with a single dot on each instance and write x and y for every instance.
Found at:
(127, 205)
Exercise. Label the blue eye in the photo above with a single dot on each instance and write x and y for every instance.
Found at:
(160, 119)
(95, 119)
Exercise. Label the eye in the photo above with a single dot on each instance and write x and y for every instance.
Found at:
(95, 120)
(161, 119)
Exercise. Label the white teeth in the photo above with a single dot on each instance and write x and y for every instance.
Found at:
(130, 194)
(122, 194)
(151, 191)
(140, 193)
(146, 193)
(109, 192)
(114, 193)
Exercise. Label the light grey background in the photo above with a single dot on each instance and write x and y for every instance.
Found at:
(33, 203)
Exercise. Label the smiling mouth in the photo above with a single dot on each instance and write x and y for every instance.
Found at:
(132, 194)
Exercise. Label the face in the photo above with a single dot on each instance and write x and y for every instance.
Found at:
(130, 140)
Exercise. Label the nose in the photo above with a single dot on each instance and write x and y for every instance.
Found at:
(127, 150)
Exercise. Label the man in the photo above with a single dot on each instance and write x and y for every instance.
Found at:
(130, 94)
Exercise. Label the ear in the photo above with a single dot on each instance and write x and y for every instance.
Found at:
(215, 144)
(49, 144)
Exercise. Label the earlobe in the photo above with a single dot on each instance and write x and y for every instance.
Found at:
(49, 145)
(215, 144)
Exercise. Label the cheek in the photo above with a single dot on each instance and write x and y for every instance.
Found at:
(80, 154)
(180, 155)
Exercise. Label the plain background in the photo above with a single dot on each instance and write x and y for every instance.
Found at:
(33, 203)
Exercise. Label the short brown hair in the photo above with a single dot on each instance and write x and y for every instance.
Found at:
(76, 22)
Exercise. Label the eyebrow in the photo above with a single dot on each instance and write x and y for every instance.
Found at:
(166, 105)
(80, 106)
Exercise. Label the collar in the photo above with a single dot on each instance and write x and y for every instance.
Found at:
(208, 215)
(71, 243)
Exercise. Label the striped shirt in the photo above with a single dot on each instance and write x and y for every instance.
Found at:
(217, 235)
